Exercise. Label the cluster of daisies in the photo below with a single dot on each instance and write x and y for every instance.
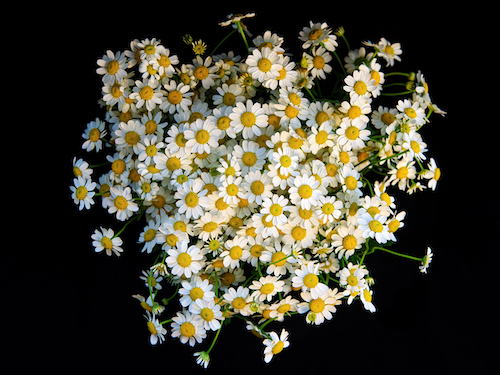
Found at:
(260, 195)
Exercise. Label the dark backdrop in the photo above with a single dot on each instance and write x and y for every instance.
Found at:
(66, 306)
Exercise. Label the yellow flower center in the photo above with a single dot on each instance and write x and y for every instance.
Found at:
(174, 97)
(314, 34)
(415, 146)
(187, 329)
(229, 99)
(367, 295)
(402, 173)
(152, 328)
(214, 245)
(120, 202)
(311, 280)
(352, 133)
(298, 233)
(94, 135)
(267, 224)
(207, 314)
(149, 235)
(173, 163)
(106, 243)
(278, 259)
(305, 214)
(112, 67)
(328, 208)
(284, 308)
(151, 126)
(321, 137)
(235, 252)
(319, 62)
(410, 112)
(256, 250)
(278, 347)
(437, 174)
(352, 280)
(191, 199)
(360, 88)
(376, 226)
(257, 187)
(389, 50)
(132, 138)
(349, 242)
(151, 150)
(291, 111)
(146, 93)
(354, 112)
(201, 72)
(239, 303)
(249, 158)
(81, 192)
(196, 293)
(267, 288)
(164, 61)
(305, 191)
(184, 259)
(210, 226)
(202, 136)
(248, 119)
(221, 205)
(223, 122)
(351, 183)
(387, 118)
(232, 190)
(285, 161)
(393, 225)
(264, 65)
(275, 209)
(317, 305)
(375, 76)
(171, 239)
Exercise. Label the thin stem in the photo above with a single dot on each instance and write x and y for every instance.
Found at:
(396, 74)
(166, 321)
(310, 93)
(127, 223)
(243, 35)
(398, 254)
(215, 339)
(222, 41)
(346, 42)
(397, 93)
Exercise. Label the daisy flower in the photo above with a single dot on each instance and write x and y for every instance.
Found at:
(281, 180)
(266, 288)
(257, 187)
(81, 168)
(352, 278)
(366, 298)
(304, 191)
(148, 236)
(433, 174)
(176, 140)
(307, 279)
(149, 49)
(146, 189)
(352, 136)
(234, 252)
(356, 110)
(239, 300)
(316, 33)
(390, 52)
(359, 84)
(411, 112)
(202, 358)
(166, 62)
(153, 123)
(299, 235)
(208, 226)
(321, 137)
(151, 280)
(350, 180)
(275, 207)
(188, 327)
(112, 67)
(123, 203)
(194, 290)
(320, 61)
(148, 148)
(203, 71)
(177, 97)
(374, 227)
(82, 192)
(282, 308)
(319, 112)
(402, 173)
(285, 160)
(427, 260)
(93, 134)
(184, 261)
(270, 40)
(155, 328)
(250, 156)
(328, 209)
(202, 136)
(230, 190)
(415, 145)
(383, 117)
(248, 119)
(149, 68)
(263, 64)
(320, 308)
(209, 311)
(279, 257)
(106, 240)
(228, 95)
(191, 199)
(303, 217)
(169, 236)
(220, 118)
(147, 92)
(264, 227)
(287, 75)
(355, 58)
(128, 136)
(347, 240)
(275, 344)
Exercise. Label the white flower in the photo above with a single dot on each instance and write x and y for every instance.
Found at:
(275, 345)
(83, 192)
(366, 297)
(230, 190)
(228, 95)
(203, 358)
(299, 235)
(351, 136)
(257, 187)
(319, 63)
(275, 206)
(195, 290)
(250, 156)
(248, 119)
(285, 160)
(411, 112)
(374, 227)
(350, 180)
(93, 134)
(266, 288)
(177, 97)
(279, 258)
(316, 33)
(148, 148)
(189, 327)
(415, 145)
(328, 209)
(147, 93)
(390, 52)
(352, 278)
(209, 226)
(347, 240)
(319, 308)
(123, 203)
(356, 110)
(402, 173)
(183, 260)
(433, 174)
(360, 83)
(128, 136)
(202, 136)
(191, 199)
(263, 64)
(106, 240)
(155, 328)
(234, 252)
(321, 137)
(204, 72)
(112, 67)
(305, 192)
(239, 299)
(209, 312)
(427, 260)
(307, 278)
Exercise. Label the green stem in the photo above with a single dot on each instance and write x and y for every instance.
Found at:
(127, 223)
(243, 35)
(166, 321)
(397, 93)
(340, 63)
(215, 339)
(222, 41)
(99, 165)
(396, 74)
(346, 42)
(310, 93)
(398, 254)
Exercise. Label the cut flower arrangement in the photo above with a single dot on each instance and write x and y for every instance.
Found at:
(263, 181)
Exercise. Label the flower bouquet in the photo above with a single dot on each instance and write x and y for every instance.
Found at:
(263, 182)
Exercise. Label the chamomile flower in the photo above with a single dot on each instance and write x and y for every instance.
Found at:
(166, 62)
(148, 148)
(320, 308)
(188, 327)
(183, 260)
(123, 204)
(305, 192)
(196, 289)
(266, 288)
(427, 260)
(82, 168)
(415, 145)
(411, 112)
(202, 136)
(299, 235)
(234, 252)
(105, 239)
(275, 344)
(307, 279)
(147, 93)
(204, 72)
(356, 110)
(148, 236)
(359, 84)
(82, 192)
(352, 136)
(92, 135)
(239, 299)
(347, 240)
(433, 174)
(280, 258)
(209, 226)
(383, 117)
(177, 97)
(248, 119)
(112, 67)
(230, 190)
(128, 136)
(176, 141)
(170, 236)
(155, 328)
(366, 297)
(316, 33)
(209, 311)
(191, 199)
(402, 173)
(352, 278)
(350, 180)
(328, 209)
(320, 61)
(263, 64)
(275, 207)
(287, 75)
(374, 227)
(263, 226)
(285, 160)
(250, 156)
(321, 137)
(228, 95)
(390, 52)
(149, 49)
(282, 308)
(257, 187)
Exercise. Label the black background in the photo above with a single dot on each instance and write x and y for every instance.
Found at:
(68, 307)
